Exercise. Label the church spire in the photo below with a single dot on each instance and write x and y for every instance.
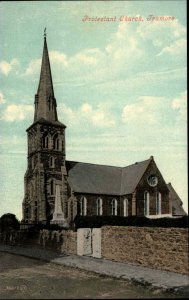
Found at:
(45, 102)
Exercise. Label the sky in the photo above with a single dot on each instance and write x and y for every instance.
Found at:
(120, 85)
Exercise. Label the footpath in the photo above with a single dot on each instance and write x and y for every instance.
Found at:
(152, 278)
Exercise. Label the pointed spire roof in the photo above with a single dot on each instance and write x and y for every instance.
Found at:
(45, 83)
(45, 102)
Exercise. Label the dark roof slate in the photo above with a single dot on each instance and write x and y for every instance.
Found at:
(131, 176)
(101, 179)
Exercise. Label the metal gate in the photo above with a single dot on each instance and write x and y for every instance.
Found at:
(89, 242)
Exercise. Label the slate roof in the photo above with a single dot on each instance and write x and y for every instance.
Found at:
(131, 176)
(101, 179)
(177, 209)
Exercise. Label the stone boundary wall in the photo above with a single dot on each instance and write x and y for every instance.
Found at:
(64, 241)
(158, 248)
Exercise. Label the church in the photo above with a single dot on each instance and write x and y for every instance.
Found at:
(57, 189)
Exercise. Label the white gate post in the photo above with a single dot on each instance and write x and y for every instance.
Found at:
(84, 245)
(96, 242)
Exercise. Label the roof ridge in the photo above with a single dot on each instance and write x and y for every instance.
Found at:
(136, 163)
(94, 164)
(122, 168)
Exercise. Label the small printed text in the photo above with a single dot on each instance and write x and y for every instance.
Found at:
(150, 18)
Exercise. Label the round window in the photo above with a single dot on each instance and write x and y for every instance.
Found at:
(152, 180)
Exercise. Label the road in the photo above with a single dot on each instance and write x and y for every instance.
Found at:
(28, 278)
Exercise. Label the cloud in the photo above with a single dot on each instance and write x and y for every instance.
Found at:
(99, 117)
(180, 105)
(175, 48)
(57, 57)
(33, 67)
(161, 33)
(144, 111)
(15, 140)
(124, 44)
(94, 63)
(86, 108)
(87, 57)
(169, 38)
(18, 112)
(2, 98)
(130, 49)
(87, 115)
(6, 67)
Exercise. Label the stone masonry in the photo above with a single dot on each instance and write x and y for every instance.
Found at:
(159, 248)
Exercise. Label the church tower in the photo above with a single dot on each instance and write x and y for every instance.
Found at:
(46, 152)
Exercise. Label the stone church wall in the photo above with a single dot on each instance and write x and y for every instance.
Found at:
(159, 248)
(106, 204)
(161, 187)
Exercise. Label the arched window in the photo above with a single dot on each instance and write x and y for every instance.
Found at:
(52, 187)
(158, 203)
(99, 207)
(45, 140)
(51, 162)
(146, 203)
(114, 207)
(56, 142)
(66, 209)
(83, 206)
(125, 207)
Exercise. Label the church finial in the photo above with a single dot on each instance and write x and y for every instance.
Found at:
(45, 34)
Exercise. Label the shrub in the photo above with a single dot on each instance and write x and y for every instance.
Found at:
(9, 222)
(99, 221)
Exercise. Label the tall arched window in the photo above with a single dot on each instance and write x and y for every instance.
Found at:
(99, 207)
(51, 162)
(45, 140)
(83, 206)
(66, 209)
(52, 187)
(114, 207)
(158, 203)
(56, 142)
(146, 203)
(125, 207)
